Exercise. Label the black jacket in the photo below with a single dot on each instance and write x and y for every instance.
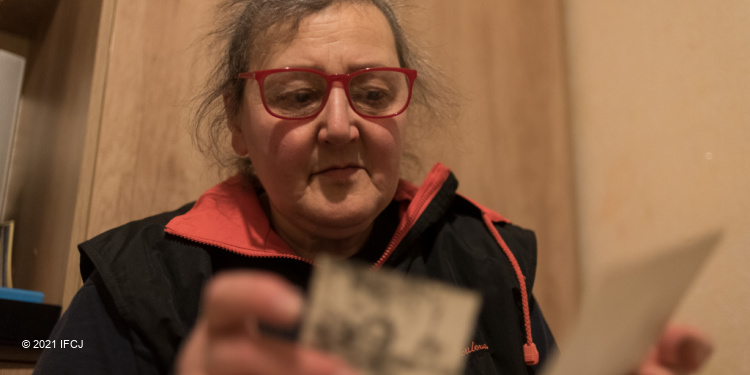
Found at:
(143, 280)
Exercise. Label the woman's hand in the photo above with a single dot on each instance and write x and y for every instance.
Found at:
(226, 338)
(680, 350)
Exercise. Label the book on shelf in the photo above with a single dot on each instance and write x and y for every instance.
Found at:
(11, 78)
(22, 295)
(6, 243)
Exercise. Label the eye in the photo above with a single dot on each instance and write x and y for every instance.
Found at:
(372, 96)
(294, 93)
(380, 92)
(298, 97)
(375, 95)
(296, 101)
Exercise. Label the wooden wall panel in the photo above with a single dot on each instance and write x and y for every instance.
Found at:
(511, 149)
(662, 134)
(146, 163)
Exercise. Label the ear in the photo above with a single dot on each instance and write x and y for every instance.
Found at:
(233, 122)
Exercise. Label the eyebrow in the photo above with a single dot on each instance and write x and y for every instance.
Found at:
(354, 68)
(350, 68)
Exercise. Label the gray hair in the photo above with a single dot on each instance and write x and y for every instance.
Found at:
(246, 28)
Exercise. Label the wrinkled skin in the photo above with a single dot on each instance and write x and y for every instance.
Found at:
(327, 178)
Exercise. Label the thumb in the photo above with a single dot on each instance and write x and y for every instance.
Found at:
(684, 348)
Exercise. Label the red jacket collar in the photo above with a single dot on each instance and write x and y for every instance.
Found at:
(229, 216)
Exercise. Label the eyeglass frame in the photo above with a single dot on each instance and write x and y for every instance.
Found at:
(260, 76)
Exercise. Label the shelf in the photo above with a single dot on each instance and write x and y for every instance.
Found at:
(59, 102)
(25, 17)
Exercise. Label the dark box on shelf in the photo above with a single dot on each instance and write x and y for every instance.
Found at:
(24, 321)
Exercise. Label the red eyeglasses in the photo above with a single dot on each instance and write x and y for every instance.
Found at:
(298, 93)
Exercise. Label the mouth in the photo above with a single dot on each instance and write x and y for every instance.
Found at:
(340, 171)
(340, 166)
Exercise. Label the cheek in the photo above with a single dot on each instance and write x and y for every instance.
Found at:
(387, 151)
(396, 139)
(257, 132)
(277, 148)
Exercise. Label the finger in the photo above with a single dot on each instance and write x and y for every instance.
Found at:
(238, 355)
(651, 366)
(684, 348)
(237, 300)
(191, 359)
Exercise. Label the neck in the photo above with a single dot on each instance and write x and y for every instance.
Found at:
(309, 243)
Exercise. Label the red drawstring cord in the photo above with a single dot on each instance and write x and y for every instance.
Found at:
(530, 354)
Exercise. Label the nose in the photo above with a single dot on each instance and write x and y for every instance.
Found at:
(337, 119)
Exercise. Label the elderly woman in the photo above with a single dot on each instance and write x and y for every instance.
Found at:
(315, 97)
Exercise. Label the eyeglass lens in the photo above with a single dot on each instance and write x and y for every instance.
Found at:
(298, 94)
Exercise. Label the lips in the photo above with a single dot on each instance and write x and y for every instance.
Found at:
(339, 172)
(340, 167)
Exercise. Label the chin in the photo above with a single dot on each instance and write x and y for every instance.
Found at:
(345, 219)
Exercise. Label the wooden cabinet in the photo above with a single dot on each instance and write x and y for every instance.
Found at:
(65, 45)
(58, 125)
(103, 129)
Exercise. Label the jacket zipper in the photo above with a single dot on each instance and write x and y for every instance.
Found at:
(411, 219)
(287, 256)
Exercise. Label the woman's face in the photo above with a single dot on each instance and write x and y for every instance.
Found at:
(333, 174)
